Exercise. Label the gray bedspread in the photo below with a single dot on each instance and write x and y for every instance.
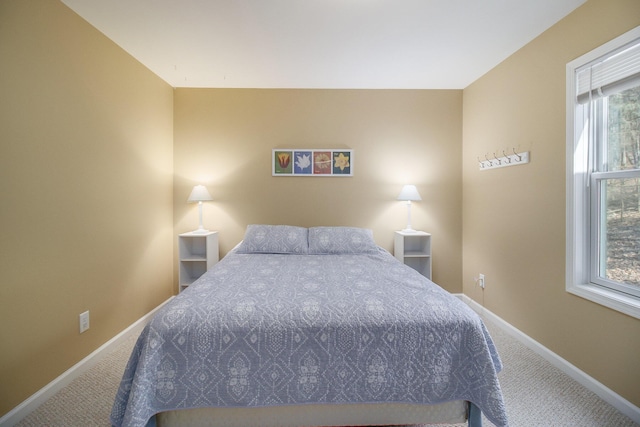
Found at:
(266, 329)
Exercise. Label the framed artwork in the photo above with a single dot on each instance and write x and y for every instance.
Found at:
(311, 162)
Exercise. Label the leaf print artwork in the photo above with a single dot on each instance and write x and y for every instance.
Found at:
(322, 163)
(311, 162)
(341, 164)
(283, 159)
(302, 163)
(282, 162)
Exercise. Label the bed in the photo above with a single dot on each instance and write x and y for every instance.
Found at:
(311, 326)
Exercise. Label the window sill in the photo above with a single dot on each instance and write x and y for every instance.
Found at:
(615, 300)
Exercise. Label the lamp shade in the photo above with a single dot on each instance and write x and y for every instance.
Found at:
(199, 194)
(409, 192)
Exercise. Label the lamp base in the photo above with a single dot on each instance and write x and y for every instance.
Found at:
(200, 231)
(409, 230)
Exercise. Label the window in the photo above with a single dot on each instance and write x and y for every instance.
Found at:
(603, 174)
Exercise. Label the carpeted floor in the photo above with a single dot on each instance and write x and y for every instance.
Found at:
(536, 393)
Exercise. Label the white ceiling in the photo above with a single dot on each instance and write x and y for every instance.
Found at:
(372, 44)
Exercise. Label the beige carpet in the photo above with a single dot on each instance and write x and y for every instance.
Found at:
(535, 392)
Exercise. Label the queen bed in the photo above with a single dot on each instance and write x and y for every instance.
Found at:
(311, 326)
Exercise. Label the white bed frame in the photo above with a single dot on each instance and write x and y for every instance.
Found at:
(317, 415)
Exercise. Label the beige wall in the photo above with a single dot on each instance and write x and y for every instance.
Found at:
(224, 138)
(514, 218)
(85, 188)
(90, 143)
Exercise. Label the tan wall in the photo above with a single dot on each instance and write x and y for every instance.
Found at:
(86, 192)
(224, 138)
(86, 184)
(514, 218)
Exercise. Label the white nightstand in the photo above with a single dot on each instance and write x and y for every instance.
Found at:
(197, 253)
(414, 250)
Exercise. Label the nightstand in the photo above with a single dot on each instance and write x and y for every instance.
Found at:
(414, 250)
(197, 253)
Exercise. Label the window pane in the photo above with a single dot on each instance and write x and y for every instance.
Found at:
(620, 231)
(623, 139)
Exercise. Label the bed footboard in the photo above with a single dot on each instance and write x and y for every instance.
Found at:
(319, 415)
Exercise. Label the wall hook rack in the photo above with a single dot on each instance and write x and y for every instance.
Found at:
(503, 161)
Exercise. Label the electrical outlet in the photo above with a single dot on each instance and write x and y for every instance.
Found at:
(84, 321)
(481, 282)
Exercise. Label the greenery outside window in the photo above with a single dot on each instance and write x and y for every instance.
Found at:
(603, 174)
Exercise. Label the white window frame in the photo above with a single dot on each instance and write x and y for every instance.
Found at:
(578, 224)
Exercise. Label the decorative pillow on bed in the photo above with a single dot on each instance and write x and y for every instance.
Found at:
(274, 239)
(341, 240)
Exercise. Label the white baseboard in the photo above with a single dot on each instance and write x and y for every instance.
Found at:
(25, 408)
(605, 393)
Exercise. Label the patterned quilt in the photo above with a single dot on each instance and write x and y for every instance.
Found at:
(271, 329)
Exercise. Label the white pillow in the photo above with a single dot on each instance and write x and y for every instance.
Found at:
(341, 240)
(274, 239)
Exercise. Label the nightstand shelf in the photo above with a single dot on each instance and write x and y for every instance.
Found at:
(414, 250)
(197, 253)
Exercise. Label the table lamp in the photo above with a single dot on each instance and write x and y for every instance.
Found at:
(199, 194)
(409, 193)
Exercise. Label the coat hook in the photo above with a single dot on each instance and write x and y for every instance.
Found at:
(496, 157)
(507, 159)
(517, 155)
